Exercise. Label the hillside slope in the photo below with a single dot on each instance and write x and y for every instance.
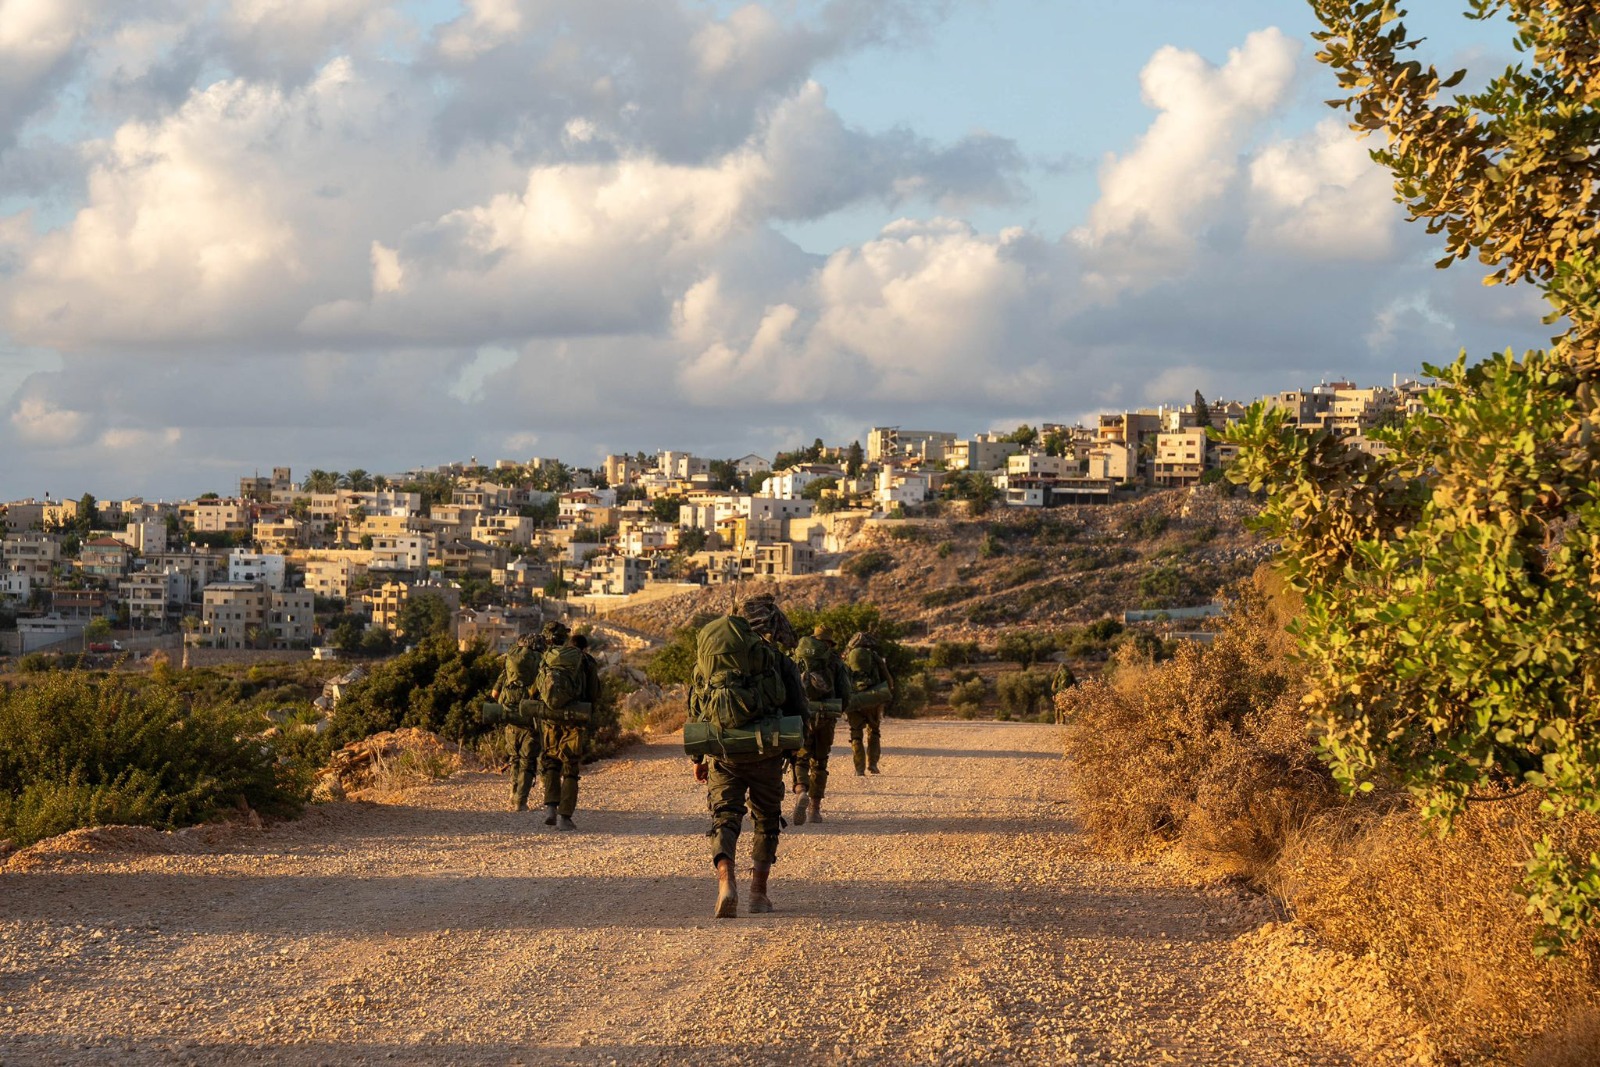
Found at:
(970, 578)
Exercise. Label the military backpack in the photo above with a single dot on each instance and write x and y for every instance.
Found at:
(736, 676)
(522, 668)
(813, 658)
(561, 677)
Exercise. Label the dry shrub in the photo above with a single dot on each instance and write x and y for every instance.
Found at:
(1442, 917)
(647, 712)
(1208, 749)
(1575, 1045)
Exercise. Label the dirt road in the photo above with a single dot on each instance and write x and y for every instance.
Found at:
(947, 913)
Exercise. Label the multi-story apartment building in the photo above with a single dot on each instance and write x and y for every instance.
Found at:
(924, 446)
(617, 575)
(233, 615)
(261, 490)
(508, 529)
(291, 617)
(981, 452)
(493, 627)
(399, 554)
(267, 568)
(105, 557)
(250, 615)
(145, 535)
(21, 516)
(1180, 458)
(35, 554)
(331, 578)
(216, 516)
(1039, 465)
(154, 596)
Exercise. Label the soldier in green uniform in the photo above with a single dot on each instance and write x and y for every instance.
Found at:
(516, 681)
(758, 776)
(1062, 680)
(827, 680)
(562, 742)
(872, 689)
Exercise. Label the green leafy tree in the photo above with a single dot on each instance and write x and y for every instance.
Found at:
(1023, 435)
(814, 490)
(1450, 621)
(1202, 410)
(359, 480)
(666, 508)
(424, 616)
(973, 487)
(692, 540)
(88, 513)
(724, 474)
(854, 457)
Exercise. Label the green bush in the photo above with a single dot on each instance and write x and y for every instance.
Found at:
(1023, 692)
(968, 694)
(953, 653)
(868, 563)
(1025, 647)
(1022, 572)
(78, 751)
(950, 594)
(434, 687)
(673, 662)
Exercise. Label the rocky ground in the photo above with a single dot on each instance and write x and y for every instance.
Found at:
(946, 913)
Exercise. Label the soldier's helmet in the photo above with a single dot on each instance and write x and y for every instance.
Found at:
(821, 634)
(862, 639)
(527, 640)
(556, 632)
(768, 620)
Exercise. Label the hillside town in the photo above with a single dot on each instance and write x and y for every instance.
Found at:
(331, 562)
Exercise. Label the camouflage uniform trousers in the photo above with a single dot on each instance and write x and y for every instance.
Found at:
(561, 763)
(870, 724)
(726, 787)
(522, 744)
(811, 762)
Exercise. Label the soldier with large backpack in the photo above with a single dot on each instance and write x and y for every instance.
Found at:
(871, 691)
(569, 687)
(828, 686)
(747, 707)
(518, 680)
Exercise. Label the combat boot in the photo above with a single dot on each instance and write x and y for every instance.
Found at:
(549, 814)
(802, 807)
(816, 809)
(759, 901)
(564, 822)
(727, 891)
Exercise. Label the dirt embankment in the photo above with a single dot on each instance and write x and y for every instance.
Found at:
(947, 912)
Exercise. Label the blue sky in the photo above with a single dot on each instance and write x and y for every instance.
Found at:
(243, 234)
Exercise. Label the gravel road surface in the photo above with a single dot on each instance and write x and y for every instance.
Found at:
(947, 913)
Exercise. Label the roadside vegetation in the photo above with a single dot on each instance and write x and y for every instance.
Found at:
(1395, 731)
(78, 750)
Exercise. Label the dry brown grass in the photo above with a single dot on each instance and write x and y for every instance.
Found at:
(1442, 917)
